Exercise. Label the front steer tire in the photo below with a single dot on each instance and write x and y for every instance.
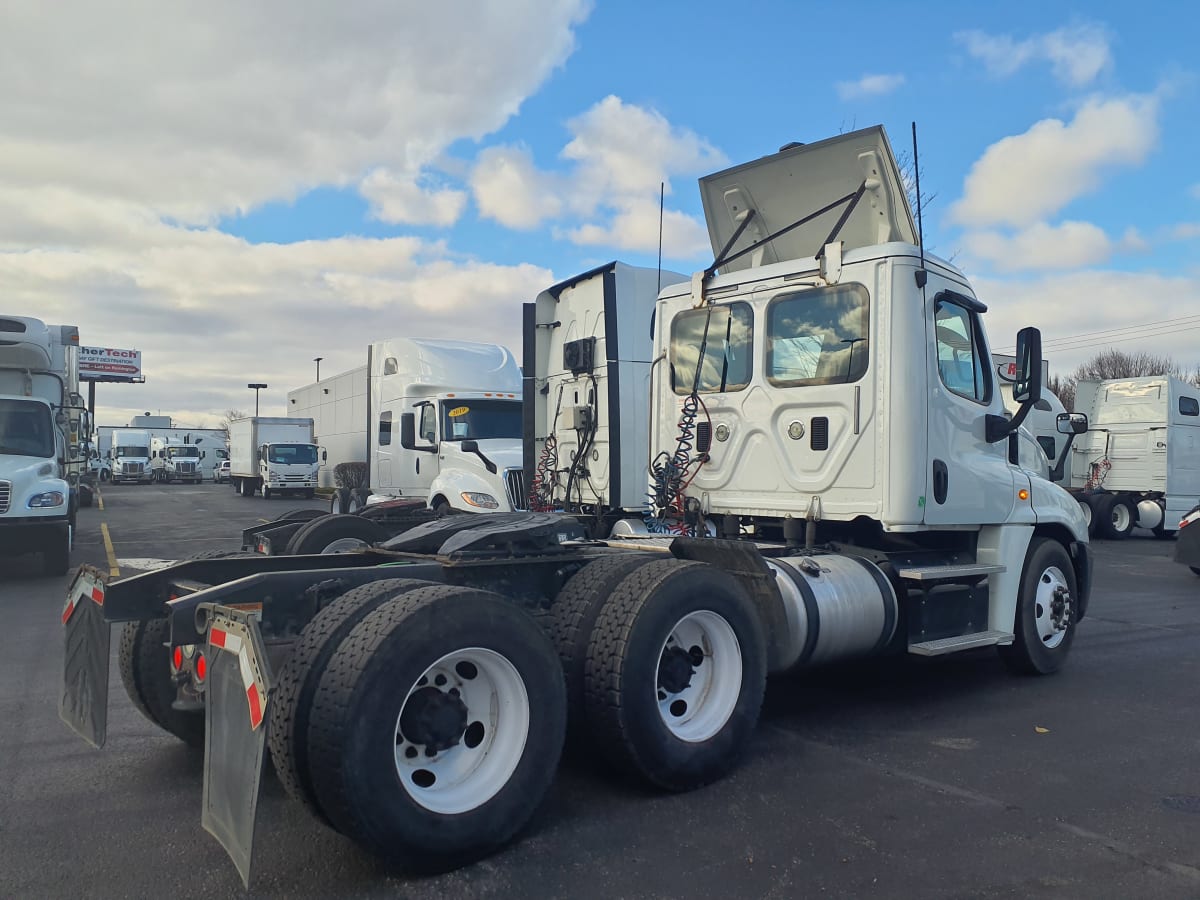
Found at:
(636, 671)
(365, 781)
(1037, 649)
(292, 693)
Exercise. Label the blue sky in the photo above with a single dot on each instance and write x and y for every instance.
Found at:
(237, 190)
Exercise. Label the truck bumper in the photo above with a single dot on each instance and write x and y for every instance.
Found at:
(30, 534)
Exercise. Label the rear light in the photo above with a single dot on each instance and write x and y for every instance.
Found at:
(201, 667)
(177, 659)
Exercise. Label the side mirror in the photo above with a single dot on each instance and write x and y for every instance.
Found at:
(324, 456)
(203, 454)
(408, 431)
(1071, 423)
(469, 446)
(1027, 386)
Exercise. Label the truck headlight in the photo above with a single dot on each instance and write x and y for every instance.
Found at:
(483, 501)
(274, 476)
(46, 500)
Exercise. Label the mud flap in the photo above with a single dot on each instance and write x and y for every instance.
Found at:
(84, 701)
(235, 732)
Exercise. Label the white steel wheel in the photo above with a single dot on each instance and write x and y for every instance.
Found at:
(1122, 518)
(344, 545)
(1086, 509)
(462, 731)
(699, 676)
(353, 507)
(1052, 610)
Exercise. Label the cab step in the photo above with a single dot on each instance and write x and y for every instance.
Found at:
(961, 642)
(947, 573)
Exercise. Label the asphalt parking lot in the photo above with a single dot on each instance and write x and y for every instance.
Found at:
(908, 778)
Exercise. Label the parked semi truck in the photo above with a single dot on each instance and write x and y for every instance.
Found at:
(821, 398)
(171, 459)
(42, 424)
(131, 456)
(273, 454)
(1139, 463)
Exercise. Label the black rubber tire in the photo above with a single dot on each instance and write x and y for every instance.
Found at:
(1027, 655)
(292, 693)
(358, 497)
(339, 501)
(1099, 505)
(1195, 570)
(105, 475)
(1120, 506)
(442, 508)
(320, 532)
(266, 491)
(352, 726)
(300, 515)
(145, 665)
(624, 723)
(570, 621)
(56, 559)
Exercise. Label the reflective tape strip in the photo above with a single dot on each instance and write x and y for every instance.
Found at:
(235, 644)
(86, 586)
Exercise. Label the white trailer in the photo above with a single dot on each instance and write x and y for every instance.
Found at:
(130, 456)
(172, 459)
(338, 407)
(42, 425)
(274, 454)
(823, 397)
(1139, 463)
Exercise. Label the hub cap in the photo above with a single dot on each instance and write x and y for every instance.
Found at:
(1052, 607)
(462, 731)
(699, 676)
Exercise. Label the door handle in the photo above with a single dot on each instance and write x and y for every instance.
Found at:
(941, 481)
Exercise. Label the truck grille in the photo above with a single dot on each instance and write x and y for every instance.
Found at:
(186, 468)
(514, 483)
(5, 496)
(132, 468)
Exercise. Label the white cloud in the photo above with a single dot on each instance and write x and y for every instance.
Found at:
(201, 110)
(1069, 304)
(868, 86)
(1041, 247)
(1184, 231)
(1024, 178)
(1194, 190)
(509, 188)
(400, 199)
(1077, 54)
(619, 156)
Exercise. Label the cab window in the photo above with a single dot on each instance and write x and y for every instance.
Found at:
(727, 336)
(818, 336)
(960, 351)
(428, 429)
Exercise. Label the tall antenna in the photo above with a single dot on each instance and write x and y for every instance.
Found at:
(922, 276)
(662, 192)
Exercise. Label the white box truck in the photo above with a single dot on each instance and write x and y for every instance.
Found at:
(823, 397)
(42, 424)
(274, 454)
(131, 456)
(1139, 463)
(171, 459)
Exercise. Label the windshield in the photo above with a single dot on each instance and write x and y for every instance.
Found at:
(190, 452)
(481, 420)
(25, 429)
(132, 450)
(292, 454)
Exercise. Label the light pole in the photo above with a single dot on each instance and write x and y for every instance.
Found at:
(257, 388)
(317, 360)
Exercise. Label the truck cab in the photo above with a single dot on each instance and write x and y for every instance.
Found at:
(130, 456)
(41, 423)
(173, 460)
(456, 407)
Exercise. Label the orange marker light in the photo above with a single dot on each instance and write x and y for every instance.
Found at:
(1023, 494)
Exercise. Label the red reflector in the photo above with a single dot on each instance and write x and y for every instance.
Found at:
(177, 658)
(201, 667)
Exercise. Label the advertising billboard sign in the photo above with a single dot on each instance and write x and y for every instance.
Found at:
(107, 364)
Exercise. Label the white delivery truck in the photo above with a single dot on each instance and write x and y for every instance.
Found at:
(173, 460)
(445, 424)
(1139, 464)
(42, 424)
(273, 454)
(131, 456)
(822, 397)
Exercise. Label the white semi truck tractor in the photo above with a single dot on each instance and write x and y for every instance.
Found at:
(42, 425)
(829, 475)
(131, 460)
(172, 459)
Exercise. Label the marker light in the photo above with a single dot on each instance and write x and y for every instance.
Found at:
(177, 659)
(201, 667)
(1023, 494)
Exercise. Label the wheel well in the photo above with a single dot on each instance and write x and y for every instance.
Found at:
(436, 499)
(1079, 558)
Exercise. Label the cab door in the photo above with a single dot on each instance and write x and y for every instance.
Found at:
(969, 481)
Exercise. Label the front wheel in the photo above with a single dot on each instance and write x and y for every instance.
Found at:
(1046, 615)
(437, 726)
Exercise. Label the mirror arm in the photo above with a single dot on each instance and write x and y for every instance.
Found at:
(1056, 474)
